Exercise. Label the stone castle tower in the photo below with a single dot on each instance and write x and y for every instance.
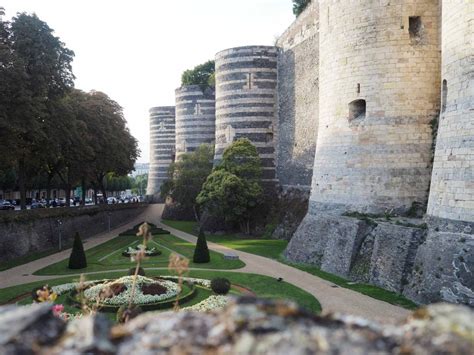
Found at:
(246, 94)
(379, 91)
(195, 118)
(345, 110)
(162, 147)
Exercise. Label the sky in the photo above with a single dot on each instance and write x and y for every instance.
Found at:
(135, 51)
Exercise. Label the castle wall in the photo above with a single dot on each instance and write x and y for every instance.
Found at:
(452, 184)
(379, 90)
(298, 57)
(162, 146)
(444, 264)
(246, 94)
(195, 118)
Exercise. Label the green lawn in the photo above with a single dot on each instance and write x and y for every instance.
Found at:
(270, 248)
(108, 256)
(262, 286)
(273, 249)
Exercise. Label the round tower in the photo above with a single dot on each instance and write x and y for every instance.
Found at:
(195, 118)
(246, 94)
(162, 146)
(452, 184)
(379, 91)
(444, 263)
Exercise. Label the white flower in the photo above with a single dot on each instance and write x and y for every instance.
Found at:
(209, 304)
(172, 289)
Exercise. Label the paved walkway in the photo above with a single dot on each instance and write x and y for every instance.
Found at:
(332, 297)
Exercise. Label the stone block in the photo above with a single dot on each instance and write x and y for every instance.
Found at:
(328, 241)
(393, 254)
(344, 238)
(443, 269)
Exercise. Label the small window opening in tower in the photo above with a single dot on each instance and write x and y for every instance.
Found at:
(444, 95)
(249, 84)
(358, 88)
(269, 137)
(414, 27)
(357, 109)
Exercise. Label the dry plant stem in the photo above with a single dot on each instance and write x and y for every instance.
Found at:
(143, 231)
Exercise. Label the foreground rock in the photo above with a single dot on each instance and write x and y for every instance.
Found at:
(246, 326)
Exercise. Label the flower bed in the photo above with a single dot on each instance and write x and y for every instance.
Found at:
(150, 293)
(120, 290)
(131, 251)
(209, 304)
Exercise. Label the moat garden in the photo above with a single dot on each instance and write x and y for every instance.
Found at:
(110, 278)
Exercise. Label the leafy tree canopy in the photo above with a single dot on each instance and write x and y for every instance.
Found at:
(202, 75)
(242, 160)
(187, 175)
(233, 190)
(299, 6)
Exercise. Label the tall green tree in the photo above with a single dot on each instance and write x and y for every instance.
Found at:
(299, 6)
(35, 69)
(233, 191)
(187, 175)
(115, 149)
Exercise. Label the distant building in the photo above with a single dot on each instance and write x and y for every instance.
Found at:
(140, 169)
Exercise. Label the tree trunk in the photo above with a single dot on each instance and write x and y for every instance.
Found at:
(22, 183)
(196, 214)
(48, 190)
(83, 197)
(68, 195)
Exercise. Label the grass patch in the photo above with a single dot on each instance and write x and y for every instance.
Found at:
(262, 286)
(108, 256)
(269, 248)
(368, 290)
(273, 249)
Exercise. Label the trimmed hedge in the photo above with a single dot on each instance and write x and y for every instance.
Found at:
(77, 260)
(201, 252)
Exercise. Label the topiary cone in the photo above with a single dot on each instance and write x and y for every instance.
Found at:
(77, 260)
(201, 252)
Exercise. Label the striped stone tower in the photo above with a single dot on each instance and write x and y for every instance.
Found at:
(162, 146)
(195, 118)
(246, 94)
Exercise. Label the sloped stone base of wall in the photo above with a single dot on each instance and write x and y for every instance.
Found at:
(444, 268)
(425, 265)
(291, 208)
(393, 255)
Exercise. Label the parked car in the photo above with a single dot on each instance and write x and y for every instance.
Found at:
(5, 205)
(111, 200)
(35, 205)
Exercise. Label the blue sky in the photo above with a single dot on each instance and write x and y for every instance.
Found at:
(135, 51)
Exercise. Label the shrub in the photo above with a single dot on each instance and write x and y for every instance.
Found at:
(201, 252)
(220, 285)
(77, 260)
(141, 271)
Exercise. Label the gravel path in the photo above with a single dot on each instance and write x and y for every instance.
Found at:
(332, 297)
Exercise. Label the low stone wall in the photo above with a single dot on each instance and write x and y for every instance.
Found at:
(25, 232)
(246, 326)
